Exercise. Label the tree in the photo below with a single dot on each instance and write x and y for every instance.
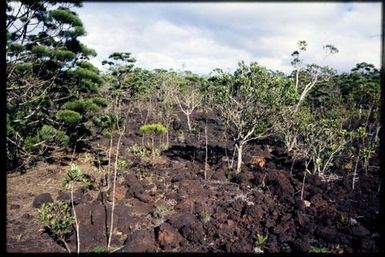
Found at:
(166, 91)
(48, 79)
(307, 79)
(189, 97)
(153, 130)
(307, 76)
(247, 101)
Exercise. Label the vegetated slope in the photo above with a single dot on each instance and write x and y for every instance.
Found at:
(164, 203)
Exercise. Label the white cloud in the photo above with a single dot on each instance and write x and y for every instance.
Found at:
(204, 36)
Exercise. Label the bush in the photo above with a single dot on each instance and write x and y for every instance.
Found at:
(81, 106)
(30, 141)
(103, 102)
(153, 129)
(68, 116)
(104, 121)
(56, 216)
(47, 132)
(63, 138)
(137, 150)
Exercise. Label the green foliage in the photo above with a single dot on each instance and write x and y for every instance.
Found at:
(204, 215)
(41, 51)
(47, 132)
(63, 54)
(15, 48)
(137, 150)
(30, 142)
(74, 174)
(99, 249)
(64, 15)
(157, 128)
(261, 241)
(104, 121)
(161, 209)
(100, 101)
(87, 74)
(68, 116)
(81, 106)
(44, 50)
(63, 138)
(315, 249)
(123, 164)
(57, 217)
(23, 68)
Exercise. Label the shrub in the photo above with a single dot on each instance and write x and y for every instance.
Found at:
(315, 249)
(123, 164)
(103, 102)
(261, 240)
(204, 216)
(81, 106)
(153, 129)
(137, 150)
(68, 116)
(63, 138)
(47, 132)
(99, 249)
(30, 142)
(57, 218)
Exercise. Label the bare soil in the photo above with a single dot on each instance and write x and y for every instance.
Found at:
(166, 205)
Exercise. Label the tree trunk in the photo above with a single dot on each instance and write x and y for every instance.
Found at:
(167, 138)
(206, 149)
(188, 122)
(108, 175)
(355, 169)
(303, 184)
(114, 182)
(239, 160)
(76, 219)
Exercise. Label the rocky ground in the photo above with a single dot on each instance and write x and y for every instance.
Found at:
(165, 204)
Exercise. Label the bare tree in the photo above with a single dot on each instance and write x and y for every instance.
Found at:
(188, 99)
(313, 73)
(246, 102)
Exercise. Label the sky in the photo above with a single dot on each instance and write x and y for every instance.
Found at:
(203, 36)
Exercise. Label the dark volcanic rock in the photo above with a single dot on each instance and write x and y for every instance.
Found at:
(219, 174)
(140, 241)
(42, 199)
(168, 237)
(83, 213)
(189, 226)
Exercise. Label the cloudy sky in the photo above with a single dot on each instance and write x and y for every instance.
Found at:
(203, 36)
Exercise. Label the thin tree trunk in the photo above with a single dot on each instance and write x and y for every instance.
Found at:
(66, 245)
(292, 166)
(188, 122)
(303, 182)
(108, 175)
(76, 219)
(239, 160)
(114, 183)
(303, 185)
(355, 169)
(167, 138)
(206, 149)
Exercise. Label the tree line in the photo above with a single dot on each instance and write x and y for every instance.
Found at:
(58, 100)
